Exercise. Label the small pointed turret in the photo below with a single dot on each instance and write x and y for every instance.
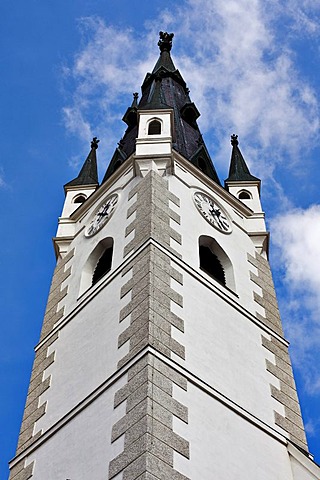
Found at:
(239, 171)
(89, 172)
(242, 184)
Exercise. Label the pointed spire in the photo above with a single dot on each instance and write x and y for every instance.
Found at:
(89, 173)
(130, 117)
(239, 171)
(165, 45)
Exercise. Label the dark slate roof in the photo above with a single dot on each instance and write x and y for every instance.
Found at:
(239, 171)
(165, 88)
(89, 173)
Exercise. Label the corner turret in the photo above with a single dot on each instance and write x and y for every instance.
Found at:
(77, 191)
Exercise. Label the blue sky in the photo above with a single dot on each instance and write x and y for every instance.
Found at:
(69, 70)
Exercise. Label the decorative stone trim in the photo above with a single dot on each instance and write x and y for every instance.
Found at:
(268, 299)
(149, 440)
(33, 411)
(153, 214)
(56, 294)
(20, 472)
(150, 313)
(281, 369)
(286, 395)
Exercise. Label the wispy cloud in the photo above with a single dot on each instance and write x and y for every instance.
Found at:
(296, 236)
(2, 180)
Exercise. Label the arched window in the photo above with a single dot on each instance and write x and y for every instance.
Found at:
(154, 128)
(97, 265)
(215, 262)
(210, 264)
(103, 266)
(79, 199)
(244, 195)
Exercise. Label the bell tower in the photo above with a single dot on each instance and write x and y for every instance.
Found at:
(162, 354)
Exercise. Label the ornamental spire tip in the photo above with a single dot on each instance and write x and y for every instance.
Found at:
(165, 42)
(94, 143)
(234, 140)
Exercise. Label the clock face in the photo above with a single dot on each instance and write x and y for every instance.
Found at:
(212, 212)
(102, 216)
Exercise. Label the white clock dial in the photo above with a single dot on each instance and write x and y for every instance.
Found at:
(212, 212)
(102, 216)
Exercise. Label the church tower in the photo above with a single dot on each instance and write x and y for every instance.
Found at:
(162, 354)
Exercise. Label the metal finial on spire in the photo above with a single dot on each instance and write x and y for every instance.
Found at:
(135, 99)
(165, 42)
(94, 143)
(234, 140)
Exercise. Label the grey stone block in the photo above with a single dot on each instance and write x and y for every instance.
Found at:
(174, 216)
(36, 392)
(41, 366)
(275, 349)
(290, 427)
(56, 297)
(174, 199)
(146, 407)
(170, 373)
(60, 278)
(166, 401)
(172, 439)
(285, 399)
(284, 366)
(293, 417)
(133, 328)
(288, 390)
(133, 352)
(131, 209)
(22, 474)
(136, 302)
(266, 305)
(130, 228)
(144, 444)
(148, 463)
(139, 365)
(280, 374)
(268, 323)
(32, 418)
(263, 280)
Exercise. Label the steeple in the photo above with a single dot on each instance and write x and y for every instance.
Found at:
(89, 173)
(239, 171)
(162, 89)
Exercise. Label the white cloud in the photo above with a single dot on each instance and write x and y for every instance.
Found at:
(296, 236)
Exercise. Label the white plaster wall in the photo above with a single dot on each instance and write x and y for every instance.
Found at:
(83, 245)
(82, 449)
(225, 446)
(86, 354)
(304, 471)
(223, 349)
(236, 244)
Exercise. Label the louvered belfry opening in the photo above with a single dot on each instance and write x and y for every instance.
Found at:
(210, 264)
(103, 266)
